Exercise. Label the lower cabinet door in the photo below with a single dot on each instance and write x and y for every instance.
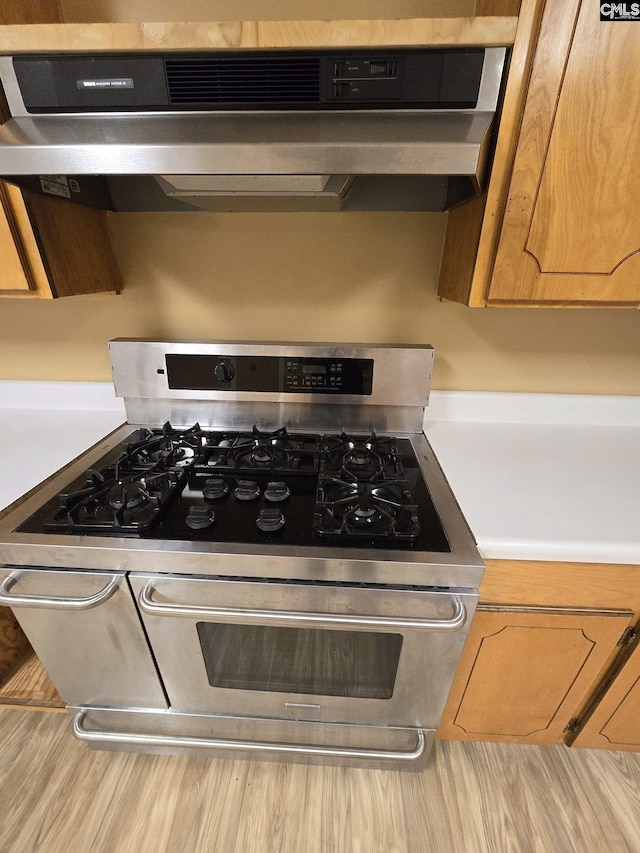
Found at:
(524, 672)
(615, 721)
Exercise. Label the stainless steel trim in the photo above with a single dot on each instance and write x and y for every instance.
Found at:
(494, 59)
(305, 417)
(347, 143)
(253, 746)
(216, 192)
(401, 375)
(11, 88)
(240, 615)
(55, 602)
(434, 143)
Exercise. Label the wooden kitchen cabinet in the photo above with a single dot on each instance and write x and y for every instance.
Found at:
(558, 225)
(50, 247)
(523, 672)
(613, 721)
(15, 279)
(541, 649)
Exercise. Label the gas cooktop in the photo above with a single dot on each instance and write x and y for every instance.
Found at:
(255, 486)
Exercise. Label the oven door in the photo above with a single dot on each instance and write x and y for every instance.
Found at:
(85, 629)
(319, 651)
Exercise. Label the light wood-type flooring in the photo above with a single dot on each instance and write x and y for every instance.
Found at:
(58, 795)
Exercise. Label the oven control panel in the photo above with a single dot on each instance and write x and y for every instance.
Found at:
(196, 372)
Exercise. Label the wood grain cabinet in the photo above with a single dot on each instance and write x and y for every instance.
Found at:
(50, 247)
(613, 721)
(524, 672)
(559, 223)
(548, 658)
(15, 278)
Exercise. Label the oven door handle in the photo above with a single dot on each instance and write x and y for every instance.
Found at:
(139, 739)
(54, 601)
(242, 615)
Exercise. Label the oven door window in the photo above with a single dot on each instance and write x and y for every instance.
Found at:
(354, 664)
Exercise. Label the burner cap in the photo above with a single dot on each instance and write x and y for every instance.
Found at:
(214, 489)
(200, 517)
(359, 457)
(276, 492)
(270, 520)
(365, 516)
(261, 455)
(247, 490)
(363, 513)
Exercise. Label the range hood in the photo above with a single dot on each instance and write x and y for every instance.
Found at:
(376, 129)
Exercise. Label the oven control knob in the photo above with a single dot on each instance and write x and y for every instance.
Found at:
(270, 520)
(247, 490)
(200, 517)
(276, 492)
(224, 371)
(214, 489)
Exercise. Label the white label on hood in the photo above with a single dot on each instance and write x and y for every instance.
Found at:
(106, 83)
(55, 185)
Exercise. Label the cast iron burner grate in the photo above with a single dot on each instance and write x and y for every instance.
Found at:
(362, 490)
(352, 489)
(360, 458)
(384, 509)
(151, 450)
(256, 451)
(115, 504)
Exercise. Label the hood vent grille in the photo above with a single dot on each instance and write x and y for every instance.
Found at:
(238, 80)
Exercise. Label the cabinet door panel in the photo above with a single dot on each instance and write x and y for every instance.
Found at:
(23, 273)
(615, 722)
(13, 274)
(523, 674)
(569, 233)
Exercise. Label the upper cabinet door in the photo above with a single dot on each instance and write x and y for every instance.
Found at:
(570, 231)
(12, 277)
(21, 273)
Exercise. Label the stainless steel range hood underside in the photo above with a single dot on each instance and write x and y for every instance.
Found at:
(372, 159)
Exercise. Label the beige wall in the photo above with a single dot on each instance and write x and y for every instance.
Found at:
(343, 277)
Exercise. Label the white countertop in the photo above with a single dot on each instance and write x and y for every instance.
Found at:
(538, 477)
(543, 476)
(45, 425)
(545, 492)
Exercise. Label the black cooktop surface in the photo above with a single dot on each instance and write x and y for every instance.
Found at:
(300, 489)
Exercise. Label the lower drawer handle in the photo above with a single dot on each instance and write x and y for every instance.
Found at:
(134, 738)
(55, 601)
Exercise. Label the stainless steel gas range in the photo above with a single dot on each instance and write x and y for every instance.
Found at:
(266, 561)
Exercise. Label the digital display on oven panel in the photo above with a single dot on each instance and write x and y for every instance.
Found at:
(270, 374)
(329, 375)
